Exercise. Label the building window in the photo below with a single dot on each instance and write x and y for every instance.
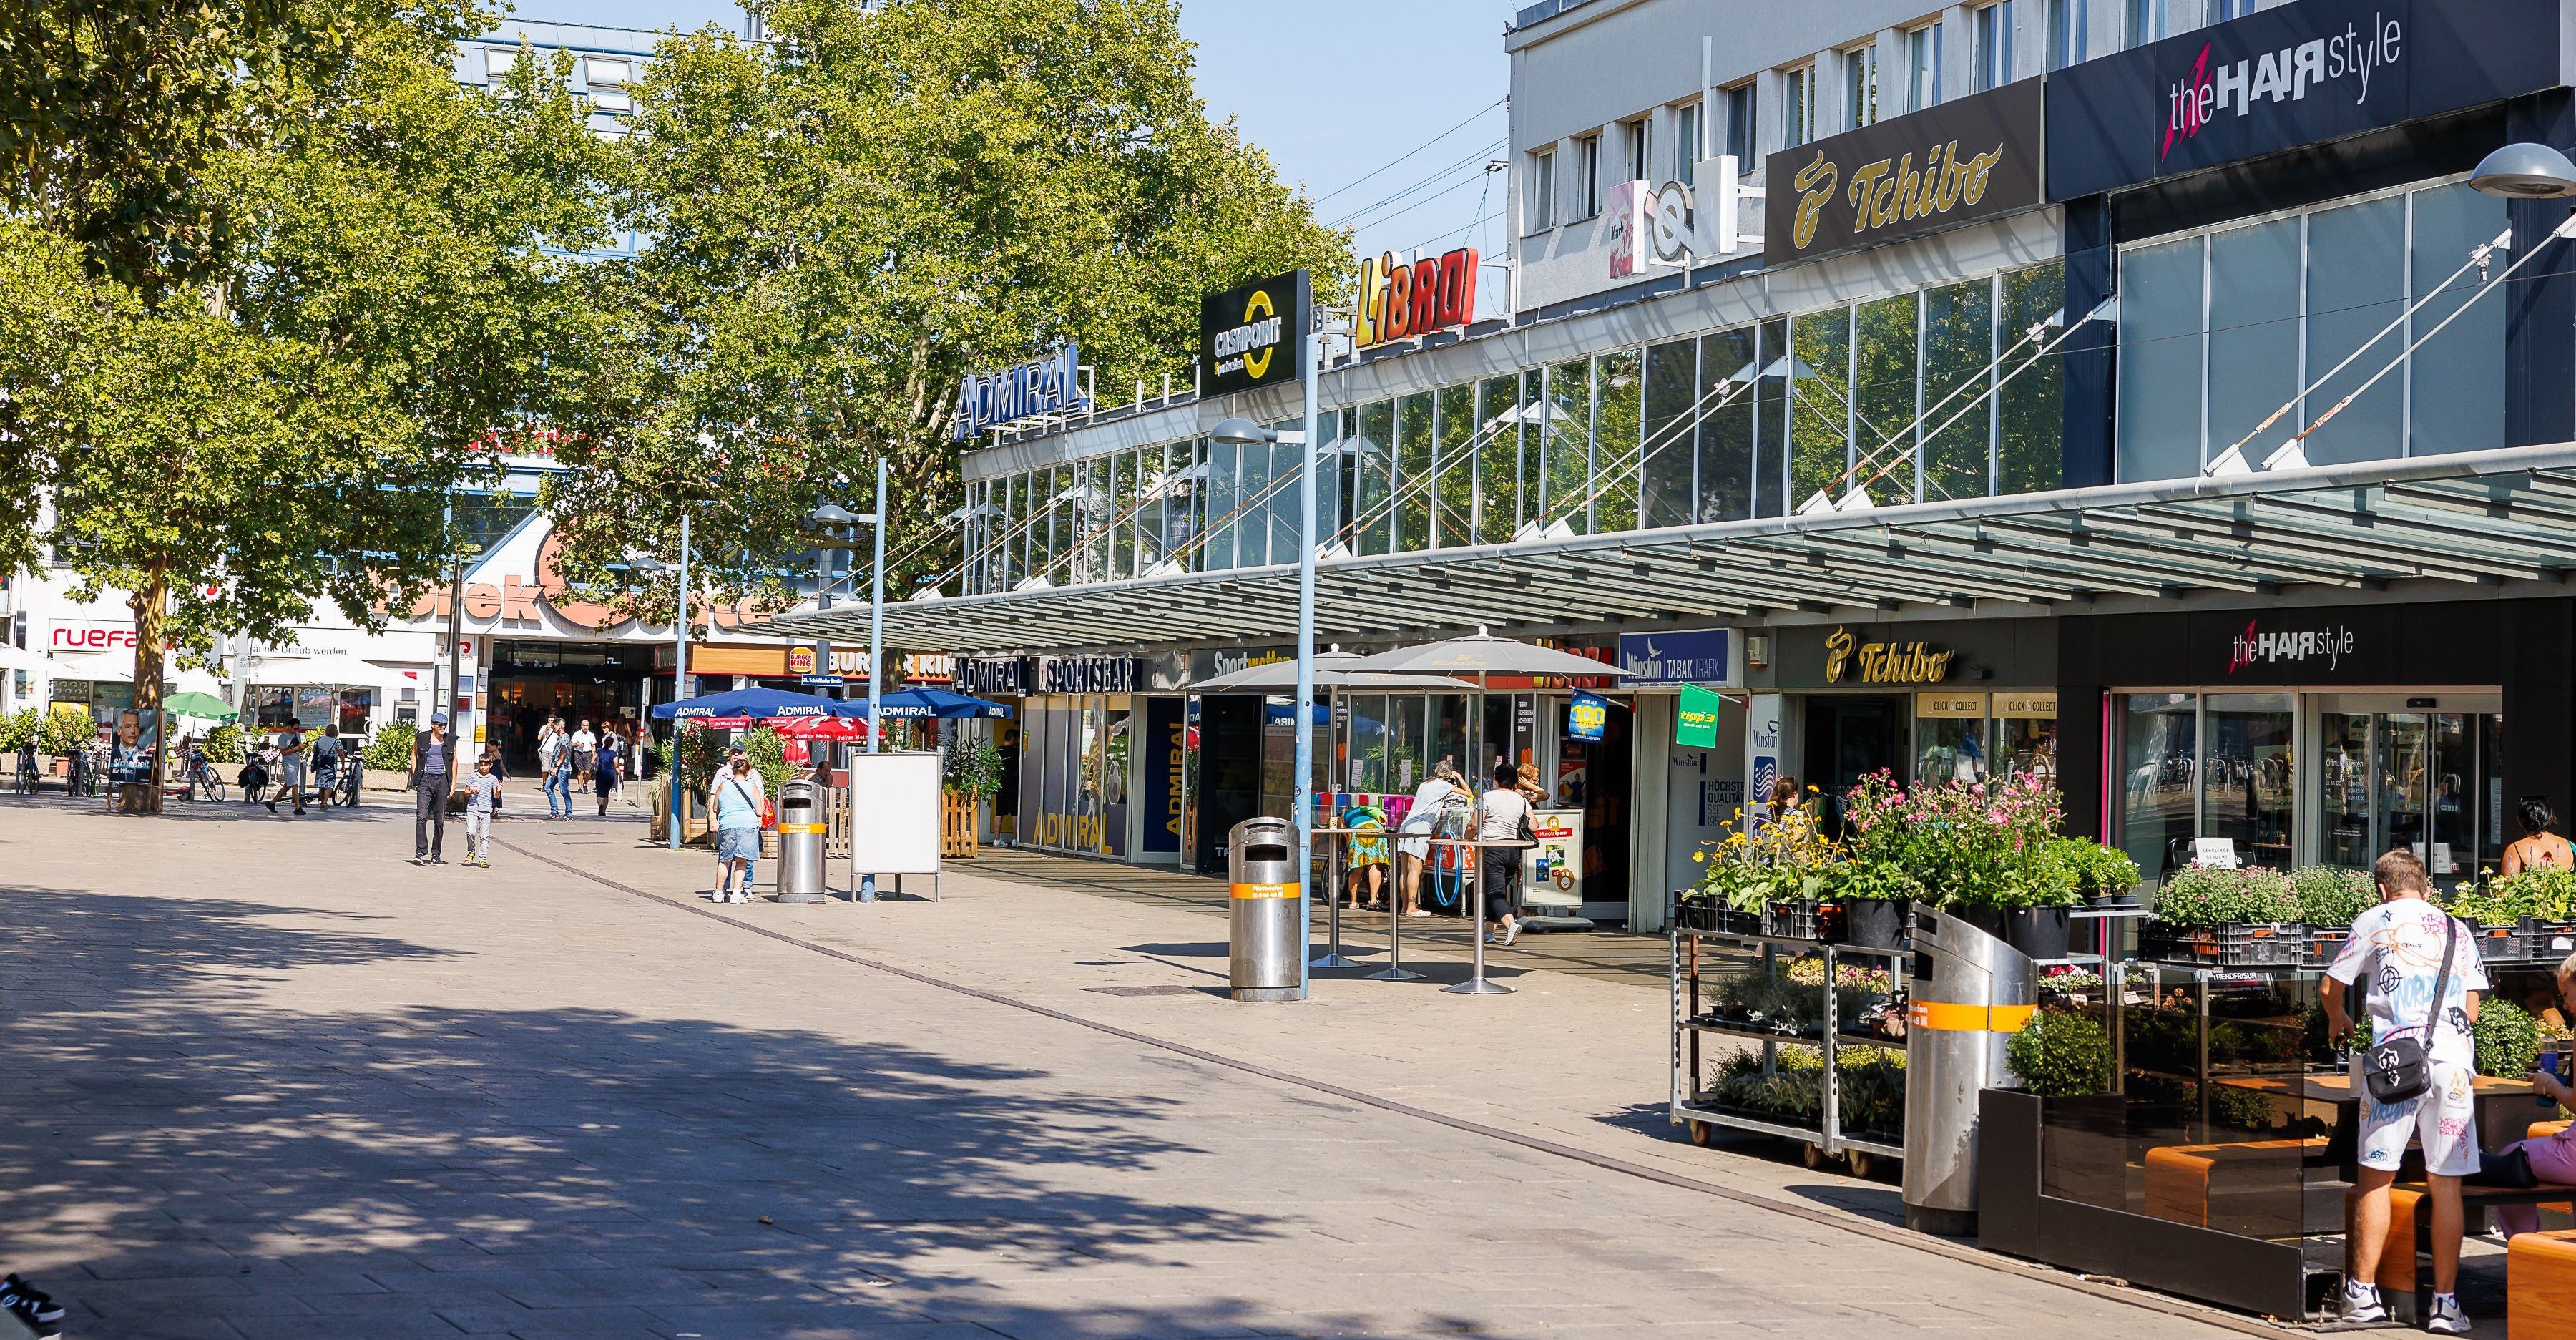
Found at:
(1542, 201)
(1588, 175)
(1923, 67)
(1798, 106)
(1994, 45)
(1741, 141)
(1640, 162)
(2220, 329)
(497, 62)
(1860, 87)
(610, 72)
(2065, 33)
(1687, 144)
(2220, 11)
(2146, 22)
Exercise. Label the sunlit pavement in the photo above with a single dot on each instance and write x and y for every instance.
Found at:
(266, 1078)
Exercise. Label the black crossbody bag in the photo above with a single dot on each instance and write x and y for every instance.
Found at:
(2398, 1068)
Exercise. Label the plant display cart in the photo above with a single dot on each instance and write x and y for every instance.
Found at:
(1797, 1051)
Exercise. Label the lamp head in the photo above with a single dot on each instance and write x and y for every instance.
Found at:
(2525, 171)
(833, 514)
(1240, 432)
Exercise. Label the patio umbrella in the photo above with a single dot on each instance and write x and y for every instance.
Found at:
(821, 728)
(1332, 671)
(755, 703)
(203, 706)
(1484, 654)
(926, 704)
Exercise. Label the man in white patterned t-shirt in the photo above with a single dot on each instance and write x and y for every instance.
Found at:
(2401, 946)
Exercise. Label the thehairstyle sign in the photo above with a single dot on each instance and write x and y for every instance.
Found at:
(2301, 74)
(1399, 301)
(1255, 335)
(1957, 163)
(1049, 385)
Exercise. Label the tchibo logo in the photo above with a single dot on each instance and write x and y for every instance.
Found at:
(2286, 75)
(2252, 647)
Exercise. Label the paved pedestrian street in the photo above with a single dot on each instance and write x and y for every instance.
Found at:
(266, 1079)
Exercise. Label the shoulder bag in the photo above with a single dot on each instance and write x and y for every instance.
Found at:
(2397, 1067)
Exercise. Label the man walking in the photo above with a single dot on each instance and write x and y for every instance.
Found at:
(433, 775)
(291, 760)
(554, 750)
(585, 759)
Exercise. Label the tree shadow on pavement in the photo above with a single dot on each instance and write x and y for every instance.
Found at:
(180, 1163)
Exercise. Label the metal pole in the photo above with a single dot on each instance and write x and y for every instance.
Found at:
(876, 651)
(1476, 985)
(679, 677)
(1305, 790)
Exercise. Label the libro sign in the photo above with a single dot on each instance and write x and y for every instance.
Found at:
(1956, 163)
(1049, 385)
(1399, 301)
(1255, 335)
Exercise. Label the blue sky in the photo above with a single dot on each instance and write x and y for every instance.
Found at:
(1338, 92)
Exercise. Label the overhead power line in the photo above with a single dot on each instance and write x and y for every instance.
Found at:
(1480, 114)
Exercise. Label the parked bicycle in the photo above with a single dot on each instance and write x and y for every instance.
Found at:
(353, 771)
(204, 783)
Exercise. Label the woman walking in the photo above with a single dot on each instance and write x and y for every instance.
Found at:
(737, 807)
(605, 774)
(1501, 815)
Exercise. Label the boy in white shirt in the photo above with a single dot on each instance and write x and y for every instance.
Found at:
(482, 797)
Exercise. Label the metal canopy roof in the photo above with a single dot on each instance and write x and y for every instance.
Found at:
(2481, 518)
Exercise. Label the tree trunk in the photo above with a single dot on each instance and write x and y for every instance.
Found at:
(151, 605)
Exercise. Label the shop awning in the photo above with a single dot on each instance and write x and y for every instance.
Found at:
(2478, 519)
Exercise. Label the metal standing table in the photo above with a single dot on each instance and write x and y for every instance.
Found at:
(1339, 866)
(1476, 985)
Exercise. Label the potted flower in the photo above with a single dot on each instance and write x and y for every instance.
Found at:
(1768, 880)
(2229, 918)
(1875, 896)
(2038, 899)
(970, 772)
(2103, 875)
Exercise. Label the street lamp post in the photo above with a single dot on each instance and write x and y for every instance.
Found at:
(1246, 432)
(832, 514)
(679, 662)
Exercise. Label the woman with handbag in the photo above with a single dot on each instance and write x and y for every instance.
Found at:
(737, 804)
(2416, 1081)
(1502, 815)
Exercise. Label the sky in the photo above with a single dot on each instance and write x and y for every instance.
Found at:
(1376, 80)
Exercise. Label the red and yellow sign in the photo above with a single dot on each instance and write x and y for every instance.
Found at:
(1399, 301)
(800, 660)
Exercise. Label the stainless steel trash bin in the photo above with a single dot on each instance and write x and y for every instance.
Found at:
(800, 843)
(1268, 942)
(1971, 992)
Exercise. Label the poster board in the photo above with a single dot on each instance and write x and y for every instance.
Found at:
(1552, 875)
(894, 814)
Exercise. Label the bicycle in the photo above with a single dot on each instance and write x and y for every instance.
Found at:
(204, 783)
(352, 769)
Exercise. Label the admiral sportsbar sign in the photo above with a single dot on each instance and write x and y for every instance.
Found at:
(1254, 335)
(1049, 385)
(1958, 163)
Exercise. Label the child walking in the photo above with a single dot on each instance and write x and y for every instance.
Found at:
(482, 797)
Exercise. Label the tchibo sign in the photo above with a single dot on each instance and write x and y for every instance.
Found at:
(1049, 385)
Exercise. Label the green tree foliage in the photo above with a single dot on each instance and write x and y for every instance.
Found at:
(848, 219)
(283, 419)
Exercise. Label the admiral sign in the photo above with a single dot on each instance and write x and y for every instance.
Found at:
(2276, 80)
(1050, 385)
(1254, 335)
(1957, 163)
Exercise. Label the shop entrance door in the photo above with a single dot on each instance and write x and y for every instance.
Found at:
(2429, 782)
(1848, 739)
(598, 682)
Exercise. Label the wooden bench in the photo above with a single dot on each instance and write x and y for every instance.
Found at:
(2404, 1280)
(2184, 1182)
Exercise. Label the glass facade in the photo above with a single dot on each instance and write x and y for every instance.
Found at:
(1926, 396)
(1073, 773)
(2219, 330)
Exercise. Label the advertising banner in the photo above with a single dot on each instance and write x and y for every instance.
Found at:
(1587, 716)
(1680, 656)
(1957, 163)
(133, 738)
(1254, 335)
(1695, 717)
(2300, 74)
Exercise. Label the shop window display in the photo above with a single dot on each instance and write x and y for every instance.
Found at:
(2247, 777)
(2159, 781)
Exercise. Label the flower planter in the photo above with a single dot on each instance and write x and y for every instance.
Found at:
(2237, 944)
(1874, 923)
(1984, 919)
(1803, 919)
(2038, 932)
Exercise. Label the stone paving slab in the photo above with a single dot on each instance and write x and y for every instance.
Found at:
(272, 1080)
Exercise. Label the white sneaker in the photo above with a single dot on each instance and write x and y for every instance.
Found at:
(2361, 1303)
(2447, 1319)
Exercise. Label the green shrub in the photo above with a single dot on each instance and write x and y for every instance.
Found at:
(2547, 893)
(224, 743)
(2507, 1039)
(2060, 1053)
(768, 751)
(65, 731)
(971, 765)
(20, 729)
(389, 750)
(2098, 870)
(2202, 895)
(2331, 895)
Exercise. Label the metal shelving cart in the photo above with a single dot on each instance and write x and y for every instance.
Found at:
(1693, 1021)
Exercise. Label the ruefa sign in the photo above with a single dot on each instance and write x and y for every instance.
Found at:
(1049, 385)
(2300, 74)
(1255, 335)
(1399, 301)
(1956, 163)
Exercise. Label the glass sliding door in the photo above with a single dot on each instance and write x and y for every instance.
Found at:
(2159, 785)
(2246, 777)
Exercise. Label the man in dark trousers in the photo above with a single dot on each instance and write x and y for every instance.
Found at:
(433, 775)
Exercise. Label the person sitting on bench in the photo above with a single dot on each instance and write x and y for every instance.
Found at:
(2553, 1157)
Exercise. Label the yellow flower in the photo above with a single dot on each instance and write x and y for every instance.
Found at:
(1700, 857)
